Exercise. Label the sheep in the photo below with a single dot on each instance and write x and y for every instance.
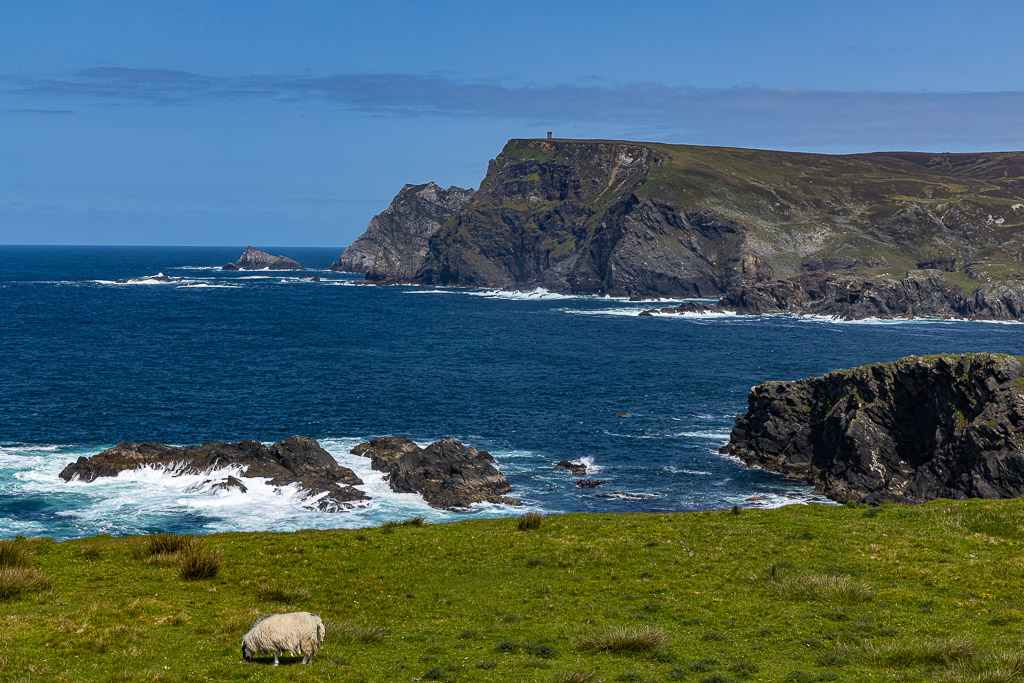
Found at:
(295, 633)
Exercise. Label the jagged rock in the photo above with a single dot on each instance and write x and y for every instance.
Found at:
(395, 241)
(920, 428)
(575, 468)
(308, 276)
(254, 259)
(684, 307)
(296, 460)
(590, 483)
(448, 474)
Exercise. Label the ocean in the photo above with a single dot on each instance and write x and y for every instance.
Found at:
(532, 377)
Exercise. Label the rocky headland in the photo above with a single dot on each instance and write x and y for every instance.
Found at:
(448, 474)
(396, 240)
(913, 430)
(297, 460)
(651, 220)
(254, 259)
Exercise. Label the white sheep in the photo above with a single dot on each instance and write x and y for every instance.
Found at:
(295, 633)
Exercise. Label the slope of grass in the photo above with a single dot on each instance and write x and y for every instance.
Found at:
(927, 593)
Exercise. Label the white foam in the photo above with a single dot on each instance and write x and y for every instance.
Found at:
(716, 434)
(197, 268)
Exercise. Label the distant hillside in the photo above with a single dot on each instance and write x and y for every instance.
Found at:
(648, 219)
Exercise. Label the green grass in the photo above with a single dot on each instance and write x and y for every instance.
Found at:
(817, 593)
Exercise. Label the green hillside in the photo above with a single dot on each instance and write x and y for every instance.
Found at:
(818, 593)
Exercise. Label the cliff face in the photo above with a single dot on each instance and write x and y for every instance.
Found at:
(650, 219)
(948, 426)
(395, 241)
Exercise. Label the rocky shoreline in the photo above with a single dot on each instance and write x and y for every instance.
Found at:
(448, 474)
(851, 297)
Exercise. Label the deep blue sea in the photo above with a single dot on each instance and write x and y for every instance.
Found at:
(532, 377)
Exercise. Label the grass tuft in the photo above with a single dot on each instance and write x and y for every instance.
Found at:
(169, 544)
(625, 639)
(16, 580)
(909, 653)
(350, 633)
(574, 677)
(14, 553)
(278, 592)
(829, 588)
(196, 565)
(530, 520)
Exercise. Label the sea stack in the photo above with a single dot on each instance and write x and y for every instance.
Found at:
(254, 259)
(909, 431)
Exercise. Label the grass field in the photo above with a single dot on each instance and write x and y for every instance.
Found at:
(816, 593)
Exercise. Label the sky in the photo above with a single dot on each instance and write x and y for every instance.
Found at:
(293, 123)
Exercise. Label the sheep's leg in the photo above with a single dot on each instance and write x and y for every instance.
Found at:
(275, 659)
(305, 659)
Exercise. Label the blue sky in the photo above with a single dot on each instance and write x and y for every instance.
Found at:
(292, 123)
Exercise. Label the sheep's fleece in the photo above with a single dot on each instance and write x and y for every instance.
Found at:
(296, 632)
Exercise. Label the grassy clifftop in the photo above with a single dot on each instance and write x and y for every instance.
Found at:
(798, 594)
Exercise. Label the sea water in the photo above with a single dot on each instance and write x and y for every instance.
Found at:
(533, 377)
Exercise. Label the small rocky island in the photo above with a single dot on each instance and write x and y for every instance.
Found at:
(909, 431)
(448, 474)
(254, 259)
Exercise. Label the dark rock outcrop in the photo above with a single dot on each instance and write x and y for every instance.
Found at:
(448, 474)
(254, 259)
(852, 297)
(575, 468)
(296, 460)
(920, 428)
(590, 483)
(395, 241)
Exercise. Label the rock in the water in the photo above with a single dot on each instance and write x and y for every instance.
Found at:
(684, 307)
(159, 277)
(311, 278)
(590, 483)
(448, 474)
(254, 259)
(575, 468)
(920, 428)
(395, 241)
(296, 460)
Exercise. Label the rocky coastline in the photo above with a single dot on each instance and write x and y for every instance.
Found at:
(909, 431)
(851, 297)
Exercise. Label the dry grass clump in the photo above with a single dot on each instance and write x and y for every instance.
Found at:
(840, 588)
(625, 639)
(350, 633)
(414, 521)
(575, 677)
(913, 653)
(14, 553)
(169, 544)
(1004, 667)
(278, 592)
(531, 520)
(198, 564)
(15, 580)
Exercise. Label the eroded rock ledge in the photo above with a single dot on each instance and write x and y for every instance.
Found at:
(296, 460)
(920, 428)
(448, 474)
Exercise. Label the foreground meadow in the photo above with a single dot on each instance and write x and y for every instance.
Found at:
(803, 593)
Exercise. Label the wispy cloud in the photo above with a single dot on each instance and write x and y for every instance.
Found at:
(749, 115)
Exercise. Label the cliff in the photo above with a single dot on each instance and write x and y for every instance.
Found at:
(649, 219)
(923, 427)
(395, 241)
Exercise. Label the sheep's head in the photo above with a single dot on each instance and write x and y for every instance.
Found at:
(246, 652)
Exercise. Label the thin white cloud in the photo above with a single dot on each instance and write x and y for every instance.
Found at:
(749, 115)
